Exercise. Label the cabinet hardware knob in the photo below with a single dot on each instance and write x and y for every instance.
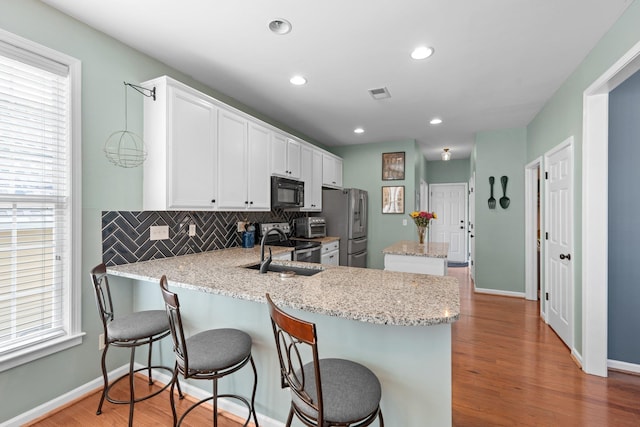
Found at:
(213, 200)
(251, 202)
(246, 202)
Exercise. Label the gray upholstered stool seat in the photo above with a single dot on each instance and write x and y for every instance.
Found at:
(350, 390)
(217, 349)
(138, 325)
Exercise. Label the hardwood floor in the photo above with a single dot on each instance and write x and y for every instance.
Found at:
(152, 412)
(509, 369)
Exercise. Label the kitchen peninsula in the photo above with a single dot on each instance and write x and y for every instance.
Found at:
(397, 324)
(412, 257)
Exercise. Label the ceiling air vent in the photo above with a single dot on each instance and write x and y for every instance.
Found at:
(380, 93)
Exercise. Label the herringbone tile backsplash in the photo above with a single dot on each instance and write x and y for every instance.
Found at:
(125, 234)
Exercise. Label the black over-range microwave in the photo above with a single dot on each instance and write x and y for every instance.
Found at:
(286, 193)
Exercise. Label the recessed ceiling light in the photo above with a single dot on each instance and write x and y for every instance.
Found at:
(358, 130)
(298, 80)
(422, 52)
(436, 121)
(280, 26)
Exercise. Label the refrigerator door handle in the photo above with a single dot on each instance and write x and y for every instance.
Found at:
(363, 211)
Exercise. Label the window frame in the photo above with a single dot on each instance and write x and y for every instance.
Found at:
(73, 315)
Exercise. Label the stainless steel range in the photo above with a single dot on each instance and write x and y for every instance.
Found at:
(304, 251)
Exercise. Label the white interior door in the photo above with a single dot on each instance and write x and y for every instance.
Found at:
(559, 240)
(449, 202)
(472, 220)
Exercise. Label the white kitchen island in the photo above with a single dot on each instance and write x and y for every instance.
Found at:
(397, 324)
(412, 257)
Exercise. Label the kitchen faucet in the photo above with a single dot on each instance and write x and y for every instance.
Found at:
(264, 263)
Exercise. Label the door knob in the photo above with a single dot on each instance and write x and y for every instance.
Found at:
(567, 256)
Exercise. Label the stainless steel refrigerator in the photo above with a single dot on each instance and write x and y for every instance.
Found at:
(346, 214)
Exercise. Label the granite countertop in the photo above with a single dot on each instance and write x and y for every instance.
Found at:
(408, 247)
(362, 294)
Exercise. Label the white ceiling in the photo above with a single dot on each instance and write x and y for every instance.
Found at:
(496, 62)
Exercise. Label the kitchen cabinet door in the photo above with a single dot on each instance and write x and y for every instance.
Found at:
(285, 156)
(232, 161)
(259, 178)
(311, 174)
(330, 253)
(331, 171)
(180, 129)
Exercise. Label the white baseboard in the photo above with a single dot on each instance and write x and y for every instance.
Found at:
(623, 366)
(50, 406)
(500, 293)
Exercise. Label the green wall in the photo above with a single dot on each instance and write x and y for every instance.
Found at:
(561, 118)
(106, 63)
(499, 232)
(362, 165)
(440, 172)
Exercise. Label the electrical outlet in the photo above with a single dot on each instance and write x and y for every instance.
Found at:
(404, 222)
(241, 225)
(158, 232)
(192, 230)
(101, 342)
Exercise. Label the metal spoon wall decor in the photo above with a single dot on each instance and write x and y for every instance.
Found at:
(492, 200)
(504, 200)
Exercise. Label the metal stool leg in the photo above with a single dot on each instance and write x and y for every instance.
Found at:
(253, 394)
(132, 397)
(106, 379)
(174, 380)
(149, 364)
(215, 402)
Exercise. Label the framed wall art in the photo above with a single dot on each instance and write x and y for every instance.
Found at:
(393, 166)
(393, 200)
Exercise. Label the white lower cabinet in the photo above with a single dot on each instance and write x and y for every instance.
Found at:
(330, 253)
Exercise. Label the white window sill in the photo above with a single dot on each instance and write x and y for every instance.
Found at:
(30, 354)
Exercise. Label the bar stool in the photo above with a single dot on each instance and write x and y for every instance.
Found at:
(208, 355)
(324, 392)
(129, 331)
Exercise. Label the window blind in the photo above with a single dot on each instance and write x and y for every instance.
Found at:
(34, 198)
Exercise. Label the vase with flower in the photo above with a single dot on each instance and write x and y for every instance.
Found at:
(422, 219)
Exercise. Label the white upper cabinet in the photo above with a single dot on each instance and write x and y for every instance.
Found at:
(285, 156)
(331, 171)
(311, 174)
(180, 129)
(259, 177)
(203, 154)
(243, 167)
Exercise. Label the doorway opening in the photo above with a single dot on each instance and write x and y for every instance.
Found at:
(533, 232)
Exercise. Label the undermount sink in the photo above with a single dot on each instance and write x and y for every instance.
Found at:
(284, 269)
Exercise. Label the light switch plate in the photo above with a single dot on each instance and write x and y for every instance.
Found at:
(192, 230)
(158, 232)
